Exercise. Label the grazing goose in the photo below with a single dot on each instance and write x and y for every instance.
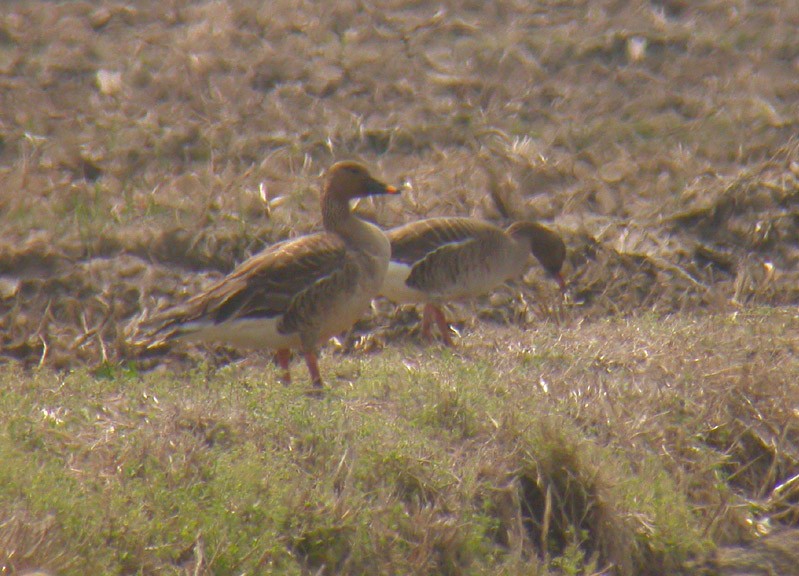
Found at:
(298, 293)
(441, 259)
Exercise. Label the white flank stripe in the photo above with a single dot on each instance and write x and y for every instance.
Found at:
(394, 287)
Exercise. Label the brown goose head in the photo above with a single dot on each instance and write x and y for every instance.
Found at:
(347, 180)
(545, 244)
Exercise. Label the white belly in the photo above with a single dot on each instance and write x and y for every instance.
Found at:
(263, 334)
(395, 289)
(256, 333)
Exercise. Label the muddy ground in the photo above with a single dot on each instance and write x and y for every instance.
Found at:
(148, 147)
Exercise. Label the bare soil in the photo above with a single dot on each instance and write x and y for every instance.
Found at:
(147, 147)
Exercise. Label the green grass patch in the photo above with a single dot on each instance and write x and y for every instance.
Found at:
(427, 470)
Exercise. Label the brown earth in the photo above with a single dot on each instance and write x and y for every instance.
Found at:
(147, 147)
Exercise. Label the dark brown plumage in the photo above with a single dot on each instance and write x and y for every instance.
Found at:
(441, 259)
(297, 293)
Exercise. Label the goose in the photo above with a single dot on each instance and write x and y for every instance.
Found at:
(441, 259)
(298, 293)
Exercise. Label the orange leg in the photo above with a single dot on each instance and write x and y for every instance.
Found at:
(313, 368)
(282, 359)
(427, 320)
(443, 327)
(433, 312)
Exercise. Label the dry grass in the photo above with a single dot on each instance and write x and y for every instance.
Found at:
(588, 448)
(144, 142)
(147, 147)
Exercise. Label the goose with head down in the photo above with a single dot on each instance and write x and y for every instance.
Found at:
(437, 260)
(298, 293)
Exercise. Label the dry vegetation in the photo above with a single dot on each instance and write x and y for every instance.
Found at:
(146, 147)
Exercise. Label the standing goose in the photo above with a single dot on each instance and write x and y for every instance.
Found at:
(298, 293)
(441, 259)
